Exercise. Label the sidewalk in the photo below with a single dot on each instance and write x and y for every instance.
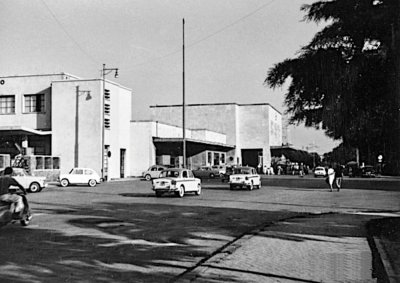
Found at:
(319, 248)
(385, 235)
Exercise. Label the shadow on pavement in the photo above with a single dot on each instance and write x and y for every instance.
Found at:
(113, 242)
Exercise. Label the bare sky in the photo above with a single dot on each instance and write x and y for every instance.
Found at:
(230, 45)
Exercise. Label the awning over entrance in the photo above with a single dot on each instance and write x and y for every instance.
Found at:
(19, 130)
(173, 146)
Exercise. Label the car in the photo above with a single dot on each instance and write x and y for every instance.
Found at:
(220, 168)
(368, 171)
(178, 181)
(153, 172)
(228, 171)
(245, 177)
(206, 172)
(78, 176)
(34, 184)
(319, 172)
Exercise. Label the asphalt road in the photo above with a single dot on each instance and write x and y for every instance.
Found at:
(120, 232)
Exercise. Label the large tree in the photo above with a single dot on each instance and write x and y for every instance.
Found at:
(344, 80)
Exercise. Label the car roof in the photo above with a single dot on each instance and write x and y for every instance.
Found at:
(175, 169)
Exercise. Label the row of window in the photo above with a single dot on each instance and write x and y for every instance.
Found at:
(33, 103)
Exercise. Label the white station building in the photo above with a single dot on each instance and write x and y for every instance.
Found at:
(60, 121)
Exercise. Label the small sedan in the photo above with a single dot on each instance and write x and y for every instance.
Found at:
(244, 177)
(153, 172)
(206, 172)
(78, 176)
(319, 172)
(34, 184)
(178, 181)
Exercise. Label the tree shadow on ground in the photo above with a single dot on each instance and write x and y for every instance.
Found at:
(114, 242)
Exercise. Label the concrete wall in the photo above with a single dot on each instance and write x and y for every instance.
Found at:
(207, 135)
(218, 118)
(142, 154)
(118, 136)
(275, 128)
(248, 126)
(21, 85)
(254, 129)
(88, 131)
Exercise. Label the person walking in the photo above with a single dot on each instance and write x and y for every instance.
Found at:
(331, 177)
(338, 176)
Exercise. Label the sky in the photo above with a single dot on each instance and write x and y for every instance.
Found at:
(229, 47)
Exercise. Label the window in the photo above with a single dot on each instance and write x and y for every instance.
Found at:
(88, 172)
(184, 174)
(78, 172)
(7, 104)
(34, 103)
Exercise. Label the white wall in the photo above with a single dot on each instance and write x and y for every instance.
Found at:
(89, 130)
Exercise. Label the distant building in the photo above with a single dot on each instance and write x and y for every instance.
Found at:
(244, 132)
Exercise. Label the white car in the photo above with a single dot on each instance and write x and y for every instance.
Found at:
(244, 177)
(32, 183)
(319, 172)
(178, 181)
(153, 172)
(80, 176)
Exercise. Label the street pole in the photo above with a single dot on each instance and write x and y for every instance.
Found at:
(183, 100)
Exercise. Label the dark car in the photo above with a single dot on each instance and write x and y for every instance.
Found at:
(229, 170)
(368, 171)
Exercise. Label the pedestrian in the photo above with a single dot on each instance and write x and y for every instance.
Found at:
(331, 177)
(265, 169)
(338, 176)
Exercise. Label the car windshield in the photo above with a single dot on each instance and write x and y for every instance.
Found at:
(169, 173)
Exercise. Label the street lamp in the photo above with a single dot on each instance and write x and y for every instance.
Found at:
(105, 71)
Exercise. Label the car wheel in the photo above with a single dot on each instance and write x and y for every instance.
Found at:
(251, 186)
(34, 187)
(64, 183)
(181, 191)
(198, 192)
(147, 177)
(158, 194)
(212, 175)
(231, 187)
(92, 183)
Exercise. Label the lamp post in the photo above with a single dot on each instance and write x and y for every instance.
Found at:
(105, 71)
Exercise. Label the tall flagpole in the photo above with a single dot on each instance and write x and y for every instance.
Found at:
(183, 100)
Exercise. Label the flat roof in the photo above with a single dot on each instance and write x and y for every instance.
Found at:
(214, 104)
(172, 140)
(22, 130)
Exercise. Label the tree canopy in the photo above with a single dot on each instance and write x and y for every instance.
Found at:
(342, 81)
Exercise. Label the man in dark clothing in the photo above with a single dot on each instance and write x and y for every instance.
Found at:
(6, 181)
(338, 176)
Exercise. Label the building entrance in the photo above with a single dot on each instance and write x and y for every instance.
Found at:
(252, 157)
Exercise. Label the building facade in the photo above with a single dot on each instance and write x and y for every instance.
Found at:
(82, 122)
(250, 128)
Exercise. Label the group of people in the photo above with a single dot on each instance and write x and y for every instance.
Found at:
(335, 177)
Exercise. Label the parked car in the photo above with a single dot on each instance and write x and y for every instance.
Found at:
(206, 172)
(153, 172)
(368, 171)
(31, 183)
(79, 176)
(228, 171)
(178, 181)
(220, 168)
(244, 177)
(319, 172)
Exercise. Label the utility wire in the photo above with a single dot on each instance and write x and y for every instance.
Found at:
(68, 34)
(208, 36)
